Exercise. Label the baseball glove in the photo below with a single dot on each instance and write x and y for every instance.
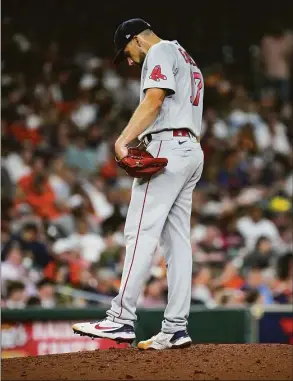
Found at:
(141, 164)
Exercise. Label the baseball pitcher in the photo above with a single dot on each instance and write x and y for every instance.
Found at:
(166, 167)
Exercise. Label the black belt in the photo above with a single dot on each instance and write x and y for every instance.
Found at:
(176, 132)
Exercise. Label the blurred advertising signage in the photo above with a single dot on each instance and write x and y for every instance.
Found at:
(42, 338)
(275, 325)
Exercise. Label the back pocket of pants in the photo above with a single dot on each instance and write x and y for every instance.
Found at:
(182, 152)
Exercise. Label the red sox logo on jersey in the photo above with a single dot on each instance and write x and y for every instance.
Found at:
(156, 74)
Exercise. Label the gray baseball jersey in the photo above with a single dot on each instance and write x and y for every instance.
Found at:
(168, 66)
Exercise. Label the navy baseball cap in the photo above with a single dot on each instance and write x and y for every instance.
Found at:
(125, 32)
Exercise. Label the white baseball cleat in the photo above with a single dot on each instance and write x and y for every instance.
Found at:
(162, 340)
(122, 333)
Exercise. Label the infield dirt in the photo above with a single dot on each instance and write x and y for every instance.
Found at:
(199, 362)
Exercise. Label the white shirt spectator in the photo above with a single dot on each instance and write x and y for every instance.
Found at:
(64, 245)
(90, 245)
(16, 167)
(288, 187)
(11, 272)
(33, 121)
(111, 80)
(23, 43)
(93, 63)
(55, 92)
(198, 233)
(11, 304)
(202, 293)
(48, 303)
(278, 142)
(236, 119)
(220, 129)
(119, 239)
(103, 209)
(84, 115)
(251, 231)
(60, 188)
(88, 81)
(254, 118)
(248, 196)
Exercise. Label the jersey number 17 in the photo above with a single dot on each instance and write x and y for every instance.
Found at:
(196, 79)
(196, 86)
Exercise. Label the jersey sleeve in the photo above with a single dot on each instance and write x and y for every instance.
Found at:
(160, 69)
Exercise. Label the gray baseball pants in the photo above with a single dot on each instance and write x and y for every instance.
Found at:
(159, 212)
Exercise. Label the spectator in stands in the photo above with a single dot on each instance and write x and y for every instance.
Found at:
(29, 241)
(283, 288)
(18, 164)
(253, 296)
(271, 135)
(154, 293)
(276, 50)
(211, 250)
(233, 240)
(255, 282)
(33, 301)
(12, 268)
(201, 293)
(38, 194)
(254, 225)
(80, 157)
(87, 281)
(47, 293)
(91, 244)
(108, 282)
(61, 179)
(16, 297)
(36, 191)
(67, 265)
(233, 174)
(263, 255)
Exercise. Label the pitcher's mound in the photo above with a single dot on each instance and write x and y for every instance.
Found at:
(199, 362)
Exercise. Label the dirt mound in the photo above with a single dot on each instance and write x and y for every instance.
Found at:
(199, 362)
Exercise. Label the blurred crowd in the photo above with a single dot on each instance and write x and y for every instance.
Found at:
(64, 200)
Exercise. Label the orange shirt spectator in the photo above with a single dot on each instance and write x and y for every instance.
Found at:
(74, 268)
(21, 133)
(35, 190)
